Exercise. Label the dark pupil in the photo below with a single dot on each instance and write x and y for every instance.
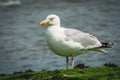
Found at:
(51, 18)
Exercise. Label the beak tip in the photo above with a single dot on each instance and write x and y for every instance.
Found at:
(40, 24)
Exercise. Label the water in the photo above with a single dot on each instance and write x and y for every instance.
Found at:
(22, 40)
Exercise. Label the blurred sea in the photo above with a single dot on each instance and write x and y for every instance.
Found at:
(22, 40)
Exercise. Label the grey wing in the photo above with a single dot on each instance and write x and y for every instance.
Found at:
(81, 37)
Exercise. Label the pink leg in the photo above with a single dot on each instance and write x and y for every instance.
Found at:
(73, 62)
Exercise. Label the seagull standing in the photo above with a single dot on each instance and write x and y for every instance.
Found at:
(69, 42)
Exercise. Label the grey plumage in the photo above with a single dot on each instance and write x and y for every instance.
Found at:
(81, 37)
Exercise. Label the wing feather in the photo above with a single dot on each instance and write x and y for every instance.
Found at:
(81, 37)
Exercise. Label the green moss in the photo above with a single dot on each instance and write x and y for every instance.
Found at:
(94, 73)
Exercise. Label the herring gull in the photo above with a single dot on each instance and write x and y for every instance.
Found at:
(69, 42)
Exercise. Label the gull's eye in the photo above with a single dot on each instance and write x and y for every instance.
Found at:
(51, 18)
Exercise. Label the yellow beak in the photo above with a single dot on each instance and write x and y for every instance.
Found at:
(43, 22)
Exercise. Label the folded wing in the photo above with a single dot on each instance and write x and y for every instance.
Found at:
(87, 40)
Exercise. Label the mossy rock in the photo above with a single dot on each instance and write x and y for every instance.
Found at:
(93, 73)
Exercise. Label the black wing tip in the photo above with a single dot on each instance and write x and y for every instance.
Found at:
(106, 45)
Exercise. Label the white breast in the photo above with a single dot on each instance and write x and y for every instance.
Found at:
(55, 40)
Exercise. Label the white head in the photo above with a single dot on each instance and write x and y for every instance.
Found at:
(51, 20)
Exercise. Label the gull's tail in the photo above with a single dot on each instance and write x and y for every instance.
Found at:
(106, 45)
(99, 49)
